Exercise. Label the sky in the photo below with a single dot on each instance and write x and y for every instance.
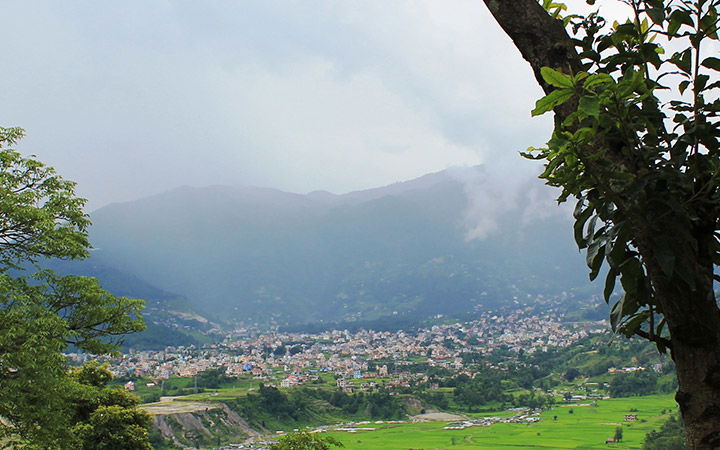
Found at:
(133, 98)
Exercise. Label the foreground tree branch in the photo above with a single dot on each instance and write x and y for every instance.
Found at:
(41, 313)
(540, 38)
(648, 197)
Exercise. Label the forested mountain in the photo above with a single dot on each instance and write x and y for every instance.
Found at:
(170, 318)
(444, 243)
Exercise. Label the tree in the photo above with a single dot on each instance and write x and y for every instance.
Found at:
(42, 313)
(670, 437)
(104, 417)
(39, 213)
(618, 434)
(631, 384)
(212, 378)
(645, 172)
(301, 440)
(571, 374)
(475, 392)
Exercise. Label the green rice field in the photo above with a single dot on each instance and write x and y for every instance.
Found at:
(586, 427)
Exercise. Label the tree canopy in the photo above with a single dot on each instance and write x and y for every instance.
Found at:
(103, 417)
(636, 143)
(301, 440)
(41, 313)
(39, 212)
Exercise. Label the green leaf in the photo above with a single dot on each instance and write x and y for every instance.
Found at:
(709, 24)
(596, 263)
(616, 313)
(660, 326)
(633, 324)
(610, 284)
(540, 153)
(657, 14)
(595, 249)
(555, 78)
(677, 19)
(626, 306)
(711, 63)
(632, 275)
(683, 60)
(701, 82)
(644, 26)
(580, 220)
(584, 134)
(551, 166)
(597, 79)
(590, 106)
(683, 86)
(551, 100)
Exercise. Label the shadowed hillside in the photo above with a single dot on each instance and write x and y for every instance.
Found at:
(255, 254)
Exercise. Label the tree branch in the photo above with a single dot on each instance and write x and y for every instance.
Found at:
(541, 39)
(667, 343)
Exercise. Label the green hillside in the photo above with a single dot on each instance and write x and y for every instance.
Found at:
(170, 318)
(265, 256)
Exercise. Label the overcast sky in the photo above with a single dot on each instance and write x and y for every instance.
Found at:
(136, 97)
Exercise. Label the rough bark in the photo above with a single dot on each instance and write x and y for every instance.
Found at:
(694, 324)
(690, 309)
(541, 39)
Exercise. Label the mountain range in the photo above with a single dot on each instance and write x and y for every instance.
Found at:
(450, 242)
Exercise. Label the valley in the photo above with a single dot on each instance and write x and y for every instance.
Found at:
(365, 387)
(364, 315)
(589, 426)
(222, 257)
(372, 225)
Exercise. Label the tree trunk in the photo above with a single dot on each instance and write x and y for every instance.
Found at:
(698, 372)
(689, 306)
(693, 321)
(541, 39)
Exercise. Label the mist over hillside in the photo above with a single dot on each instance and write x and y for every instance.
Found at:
(444, 243)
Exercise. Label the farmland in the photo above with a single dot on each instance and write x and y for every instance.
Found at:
(566, 426)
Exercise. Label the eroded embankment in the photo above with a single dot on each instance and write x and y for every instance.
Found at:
(198, 424)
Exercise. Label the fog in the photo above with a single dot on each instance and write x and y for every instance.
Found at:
(134, 98)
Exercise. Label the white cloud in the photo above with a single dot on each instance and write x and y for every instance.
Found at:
(140, 97)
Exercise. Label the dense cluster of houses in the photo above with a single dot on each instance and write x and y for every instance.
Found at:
(295, 358)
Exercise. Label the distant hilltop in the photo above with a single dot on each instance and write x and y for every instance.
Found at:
(449, 242)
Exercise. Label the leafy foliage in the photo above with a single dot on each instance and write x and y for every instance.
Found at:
(670, 437)
(571, 374)
(631, 384)
(630, 158)
(42, 313)
(104, 417)
(301, 440)
(39, 213)
(477, 391)
(274, 408)
(212, 378)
